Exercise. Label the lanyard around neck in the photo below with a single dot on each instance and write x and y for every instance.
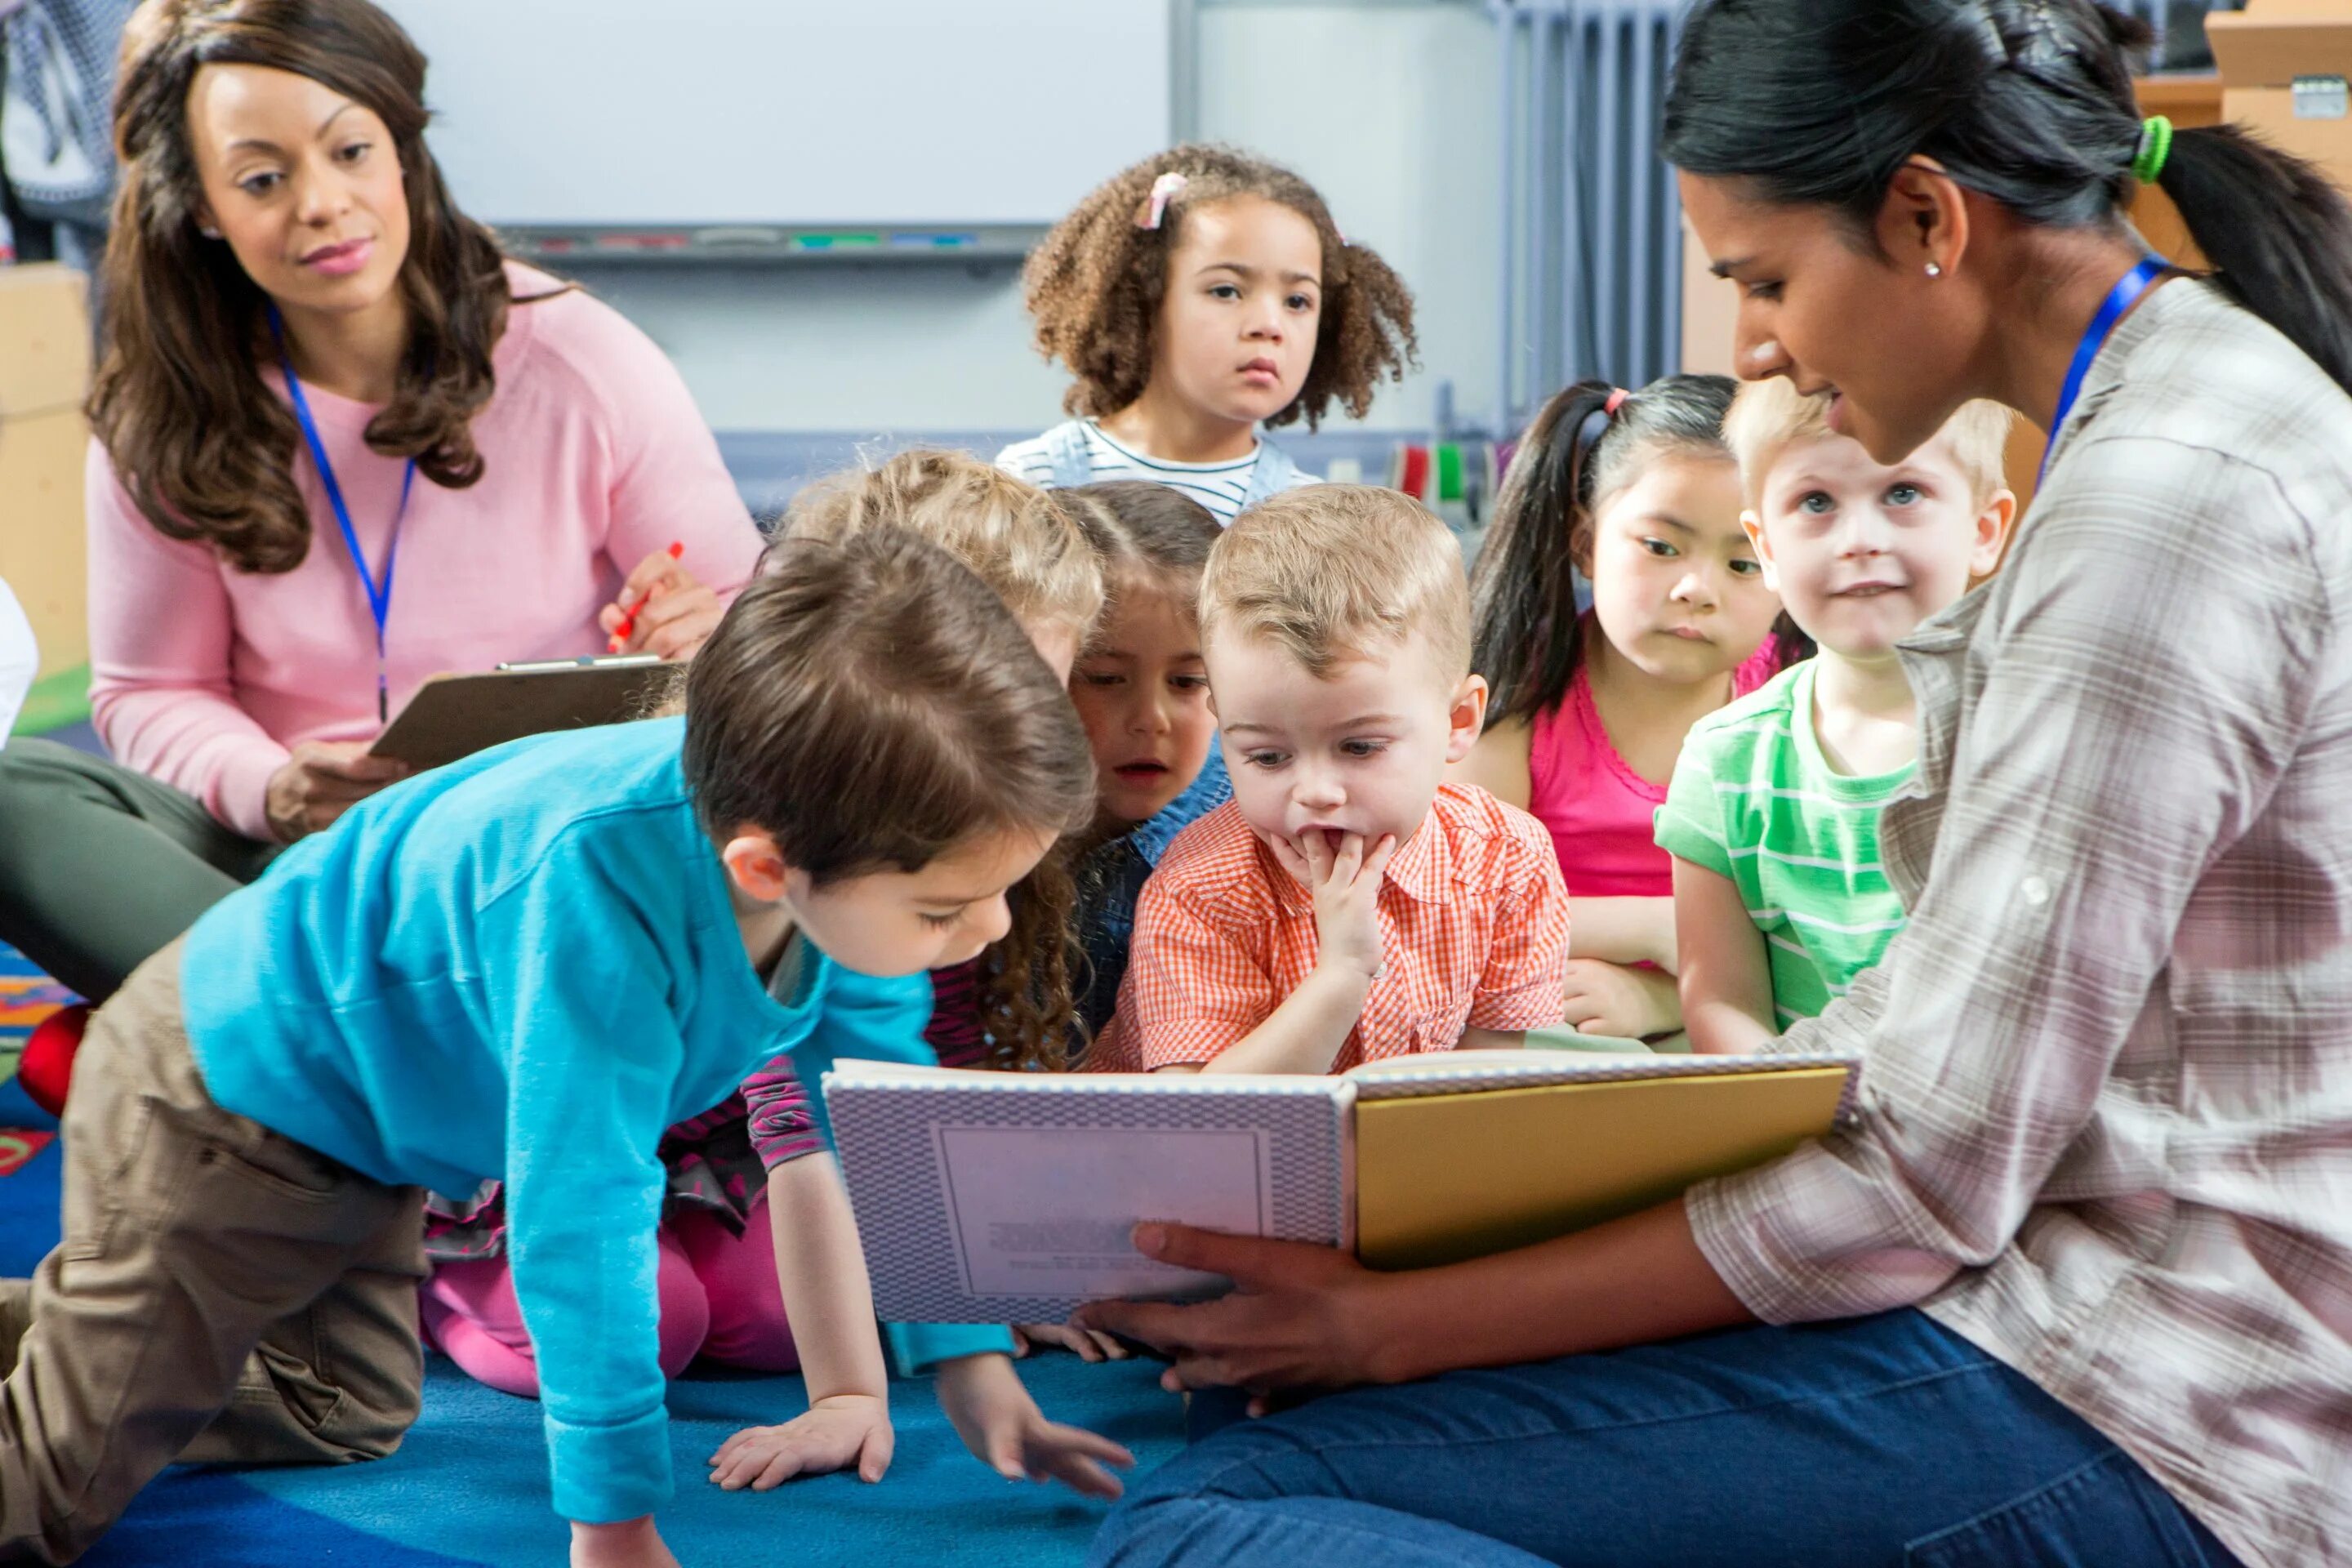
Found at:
(2121, 298)
(379, 594)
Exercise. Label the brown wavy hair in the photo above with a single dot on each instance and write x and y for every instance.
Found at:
(203, 445)
(1094, 287)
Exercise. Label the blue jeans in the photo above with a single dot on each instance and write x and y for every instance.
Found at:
(1879, 1441)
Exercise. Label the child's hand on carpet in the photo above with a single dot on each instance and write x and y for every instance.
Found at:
(1005, 1429)
(1092, 1346)
(632, 1543)
(842, 1430)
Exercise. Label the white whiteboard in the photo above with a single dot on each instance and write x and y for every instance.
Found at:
(637, 112)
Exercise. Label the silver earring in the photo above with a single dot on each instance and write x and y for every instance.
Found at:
(1935, 269)
(209, 233)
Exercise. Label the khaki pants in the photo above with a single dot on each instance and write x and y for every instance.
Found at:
(222, 1293)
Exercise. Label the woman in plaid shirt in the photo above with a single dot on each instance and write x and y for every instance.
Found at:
(2077, 1285)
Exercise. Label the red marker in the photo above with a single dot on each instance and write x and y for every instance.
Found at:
(629, 616)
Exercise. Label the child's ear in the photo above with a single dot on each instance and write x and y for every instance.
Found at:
(757, 867)
(1467, 718)
(1993, 524)
(1753, 527)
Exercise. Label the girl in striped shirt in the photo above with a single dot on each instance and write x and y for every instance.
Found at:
(1194, 296)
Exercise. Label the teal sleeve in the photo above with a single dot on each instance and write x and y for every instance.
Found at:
(863, 1020)
(871, 1019)
(917, 1348)
(1689, 826)
(575, 986)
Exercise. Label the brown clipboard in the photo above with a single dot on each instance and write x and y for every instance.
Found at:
(453, 716)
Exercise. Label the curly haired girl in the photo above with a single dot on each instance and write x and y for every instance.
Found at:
(1194, 297)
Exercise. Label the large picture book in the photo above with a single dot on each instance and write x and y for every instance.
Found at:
(1009, 1198)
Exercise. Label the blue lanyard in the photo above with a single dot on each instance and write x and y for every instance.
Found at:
(379, 594)
(2121, 298)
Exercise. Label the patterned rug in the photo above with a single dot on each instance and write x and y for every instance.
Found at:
(26, 996)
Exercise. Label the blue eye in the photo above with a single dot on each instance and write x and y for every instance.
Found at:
(1904, 495)
(1818, 503)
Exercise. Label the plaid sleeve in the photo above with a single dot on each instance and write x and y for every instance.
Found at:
(2050, 914)
(1690, 825)
(1192, 988)
(1527, 966)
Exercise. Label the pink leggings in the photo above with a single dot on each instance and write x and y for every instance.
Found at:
(719, 1299)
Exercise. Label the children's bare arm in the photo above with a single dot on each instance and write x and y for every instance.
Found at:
(1498, 763)
(1615, 999)
(830, 1305)
(1000, 1424)
(630, 1543)
(1624, 931)
(1726, 976)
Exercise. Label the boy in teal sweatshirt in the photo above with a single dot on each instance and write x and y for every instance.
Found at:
(525, 966)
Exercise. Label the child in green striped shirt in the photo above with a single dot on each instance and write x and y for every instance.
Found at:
(1772, 817)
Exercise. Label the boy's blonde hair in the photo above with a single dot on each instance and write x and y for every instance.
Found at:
(1330, 571)
(1767, 416)
(1012, 535)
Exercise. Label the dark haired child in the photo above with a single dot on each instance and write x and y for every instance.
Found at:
(1141, 691)
(1637, 491)
(1194, 296)
(525, 966)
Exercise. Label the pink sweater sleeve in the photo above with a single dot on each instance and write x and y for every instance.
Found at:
(159, 634)
(669, 484)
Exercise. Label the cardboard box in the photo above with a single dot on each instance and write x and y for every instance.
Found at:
(44, 375)
(41, 531)
(2263, 51)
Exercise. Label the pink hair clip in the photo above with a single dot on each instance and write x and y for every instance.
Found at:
(1163, 189)
(1617, 397)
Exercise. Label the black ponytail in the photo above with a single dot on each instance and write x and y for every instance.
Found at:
(1527, 638)
(2277, 231)
(2027, 101)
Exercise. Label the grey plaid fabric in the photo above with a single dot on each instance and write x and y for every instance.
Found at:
(2105, 1129)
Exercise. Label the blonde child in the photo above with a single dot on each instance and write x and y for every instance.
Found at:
(1194, 296)
(1637, 492)
(525, 965)
(1773, 817)
(1348, 904)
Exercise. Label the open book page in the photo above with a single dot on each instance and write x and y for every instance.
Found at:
(1467, 1072)
(1010, 1197)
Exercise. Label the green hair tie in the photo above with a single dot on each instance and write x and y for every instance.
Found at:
(2155, 147)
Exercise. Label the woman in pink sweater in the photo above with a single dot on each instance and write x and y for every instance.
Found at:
(341, 444)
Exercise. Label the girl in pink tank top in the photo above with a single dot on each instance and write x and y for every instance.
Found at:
(1637, 494)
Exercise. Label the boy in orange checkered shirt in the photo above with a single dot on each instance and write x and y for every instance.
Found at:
(1348, 904)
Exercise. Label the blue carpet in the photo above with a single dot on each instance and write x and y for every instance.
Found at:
(469, 1485)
